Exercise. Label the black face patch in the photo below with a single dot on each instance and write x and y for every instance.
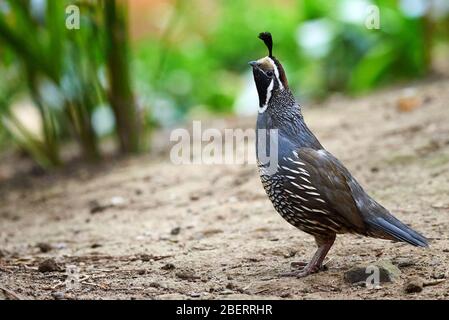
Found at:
(262, 80)
(273, 68)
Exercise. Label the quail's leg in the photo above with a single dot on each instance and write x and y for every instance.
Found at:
(316, 263)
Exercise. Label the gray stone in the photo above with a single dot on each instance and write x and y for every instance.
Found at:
(414, 285)
(404, 262)
(387, 272)
(49, 265)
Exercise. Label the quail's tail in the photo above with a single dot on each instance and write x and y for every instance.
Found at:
(387, 224)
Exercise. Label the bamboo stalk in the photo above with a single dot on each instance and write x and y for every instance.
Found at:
(120, 94)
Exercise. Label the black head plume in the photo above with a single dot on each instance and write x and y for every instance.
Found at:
(268, 40)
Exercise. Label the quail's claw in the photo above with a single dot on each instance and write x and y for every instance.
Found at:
(300, 265)
(303, 269)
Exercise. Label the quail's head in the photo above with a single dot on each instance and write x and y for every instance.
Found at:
(268, 72)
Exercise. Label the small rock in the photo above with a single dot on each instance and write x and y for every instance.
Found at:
(404, 262)
(44, 247)
(361, 284)
(439, 274)
(155, 285)
(96, 245)
(141, 272)
(231, 286)
(414, 285)
(211, 232)
(290, 253)
(195, 294)
(187, 275)
(175, 231)
(96, 207)
(435, 262)
(387, 272)
(2, 254)
(117, 201)
(168, 266)
(226, 292)
(58, 295)
(48, 265)
(146, 257)
(194, 197)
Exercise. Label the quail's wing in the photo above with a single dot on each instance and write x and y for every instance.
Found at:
(324, 182)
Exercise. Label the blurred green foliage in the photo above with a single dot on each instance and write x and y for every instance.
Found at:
(324, 48)
(65, 72)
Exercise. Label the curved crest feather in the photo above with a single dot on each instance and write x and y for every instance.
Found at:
(268, 40)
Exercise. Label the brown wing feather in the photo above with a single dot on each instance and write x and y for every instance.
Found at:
(330, 177)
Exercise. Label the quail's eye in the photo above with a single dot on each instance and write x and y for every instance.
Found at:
(270, 73)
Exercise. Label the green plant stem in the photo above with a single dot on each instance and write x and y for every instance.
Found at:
(120, 95)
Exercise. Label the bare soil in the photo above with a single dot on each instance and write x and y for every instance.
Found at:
(144, 228)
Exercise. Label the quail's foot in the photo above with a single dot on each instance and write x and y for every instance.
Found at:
(304, 269)
(303, 272)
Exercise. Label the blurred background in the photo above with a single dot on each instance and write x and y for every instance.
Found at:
(138, 65)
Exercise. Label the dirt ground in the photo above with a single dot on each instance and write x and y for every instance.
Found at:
(142, 228)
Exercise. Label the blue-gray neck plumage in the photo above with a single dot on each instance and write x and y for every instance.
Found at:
(284, 114)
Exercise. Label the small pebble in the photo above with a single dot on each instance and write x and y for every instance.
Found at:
(48, 265)
(226, 292)
(44, 247)
(146, 257)
(438, 275)
(58, 295)
(194, 197)
(117, 201)
(168, 266)
(414, 285)
(195, 295)
(187, 275)
(387, 272)
(155, 285)
(404, 262)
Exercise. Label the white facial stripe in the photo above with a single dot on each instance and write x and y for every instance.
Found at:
(269, 90)
(276, 72)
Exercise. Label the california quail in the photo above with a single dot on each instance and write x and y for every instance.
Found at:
(310, 188)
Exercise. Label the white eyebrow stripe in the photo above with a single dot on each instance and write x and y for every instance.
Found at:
(269, 90)
(276, 73)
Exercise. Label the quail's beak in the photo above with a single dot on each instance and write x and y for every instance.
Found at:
(253, 64)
